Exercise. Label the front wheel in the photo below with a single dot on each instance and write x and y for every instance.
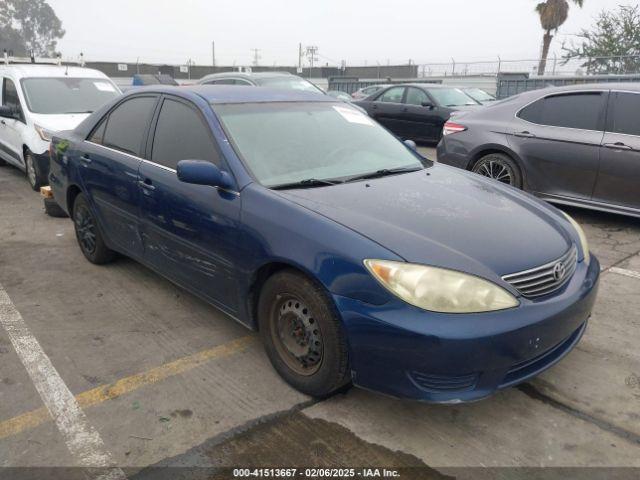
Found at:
(32, 170)
(500, 167)
(88, 233)
(303, 335)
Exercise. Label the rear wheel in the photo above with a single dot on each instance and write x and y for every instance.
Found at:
(32, 171)
(303, 335)
(500, 167)
(88, 233)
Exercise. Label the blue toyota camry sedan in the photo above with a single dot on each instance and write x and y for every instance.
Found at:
(358, 261)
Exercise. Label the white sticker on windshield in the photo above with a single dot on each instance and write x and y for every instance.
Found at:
(104, 86)
(352, 115)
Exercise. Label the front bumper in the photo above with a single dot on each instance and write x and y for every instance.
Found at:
(406, 352)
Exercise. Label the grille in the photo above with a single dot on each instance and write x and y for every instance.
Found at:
(547, 278)
(442, 383)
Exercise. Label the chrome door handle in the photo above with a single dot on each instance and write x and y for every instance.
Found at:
(524, 134)
(145, 185)
(617, 146)
(85, 158)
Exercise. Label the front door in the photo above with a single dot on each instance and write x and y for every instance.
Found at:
(619, 175)
(12, 129)
(109, 170)
(189, 231)
(421, 122)
(559, 137)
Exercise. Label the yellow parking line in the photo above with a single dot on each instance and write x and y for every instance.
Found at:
(125, 385)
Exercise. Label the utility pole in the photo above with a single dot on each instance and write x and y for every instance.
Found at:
(213, 53)
(256, 56)
(300, 58)
(312, 53)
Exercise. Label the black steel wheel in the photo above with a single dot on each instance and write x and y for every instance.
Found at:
(32, 171)
(303, 334)
(499, 167)
(88, 233)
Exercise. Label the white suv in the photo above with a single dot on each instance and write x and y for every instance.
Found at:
(37, 100)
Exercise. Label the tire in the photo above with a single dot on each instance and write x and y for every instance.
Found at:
(32, 171)
(500, 167)
(88, 233)
(52, 208)
(303, 335)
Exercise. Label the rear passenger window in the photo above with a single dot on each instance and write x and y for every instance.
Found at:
(625, 113)
(393, 95)
(583, 111)
(181, 135)
(127, 124)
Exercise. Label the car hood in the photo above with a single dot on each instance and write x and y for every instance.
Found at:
(58, 123)
(446, 217)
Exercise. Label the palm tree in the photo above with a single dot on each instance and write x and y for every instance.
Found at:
(553, 13)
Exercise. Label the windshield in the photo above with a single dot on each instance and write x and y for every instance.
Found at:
(288, 83)
(284, 143)
(451, 97)
(479, 95)
(67, 95)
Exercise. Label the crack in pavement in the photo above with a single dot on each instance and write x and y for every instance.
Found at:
(532, 392)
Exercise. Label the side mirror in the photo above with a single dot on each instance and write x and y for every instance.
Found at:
(411, 144)
(7, 112)
(200, 172)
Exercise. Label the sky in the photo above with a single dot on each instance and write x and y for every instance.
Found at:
(357, 31)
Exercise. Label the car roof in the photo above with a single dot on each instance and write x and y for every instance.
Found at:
(246, 75)
(219, 94)
(19, 70)
(634, 87)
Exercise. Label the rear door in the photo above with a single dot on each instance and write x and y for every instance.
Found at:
(189, 231)
(12, 130)
(559, 139)
(109, 166)
(619, 175)
(387, 110)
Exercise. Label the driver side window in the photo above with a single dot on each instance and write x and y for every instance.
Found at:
(10, 97)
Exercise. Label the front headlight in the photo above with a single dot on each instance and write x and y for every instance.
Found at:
(583, 239)
(44, 133)
(439, 289)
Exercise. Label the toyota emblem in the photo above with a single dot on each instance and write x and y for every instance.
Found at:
(559, 270)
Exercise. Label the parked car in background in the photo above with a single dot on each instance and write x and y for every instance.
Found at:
(344, 96)
(576, 145)
(416, 111)
(367, 91)
(283, 80)
(479, 95)
(301, 217)
(38, 100)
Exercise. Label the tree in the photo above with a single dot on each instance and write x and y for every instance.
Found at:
(29, 26)
(553, 14)
(612, 44)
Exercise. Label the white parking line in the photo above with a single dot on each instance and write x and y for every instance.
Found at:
(83, 441)
(625, 272)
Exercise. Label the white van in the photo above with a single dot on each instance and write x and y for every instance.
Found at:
(37, 100)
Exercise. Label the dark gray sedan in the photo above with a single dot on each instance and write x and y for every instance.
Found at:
(577, 145)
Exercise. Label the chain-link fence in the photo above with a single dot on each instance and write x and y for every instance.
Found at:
(556, 66)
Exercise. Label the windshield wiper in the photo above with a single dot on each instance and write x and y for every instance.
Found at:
(306, 183)
(385, 172)
(86, 111)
